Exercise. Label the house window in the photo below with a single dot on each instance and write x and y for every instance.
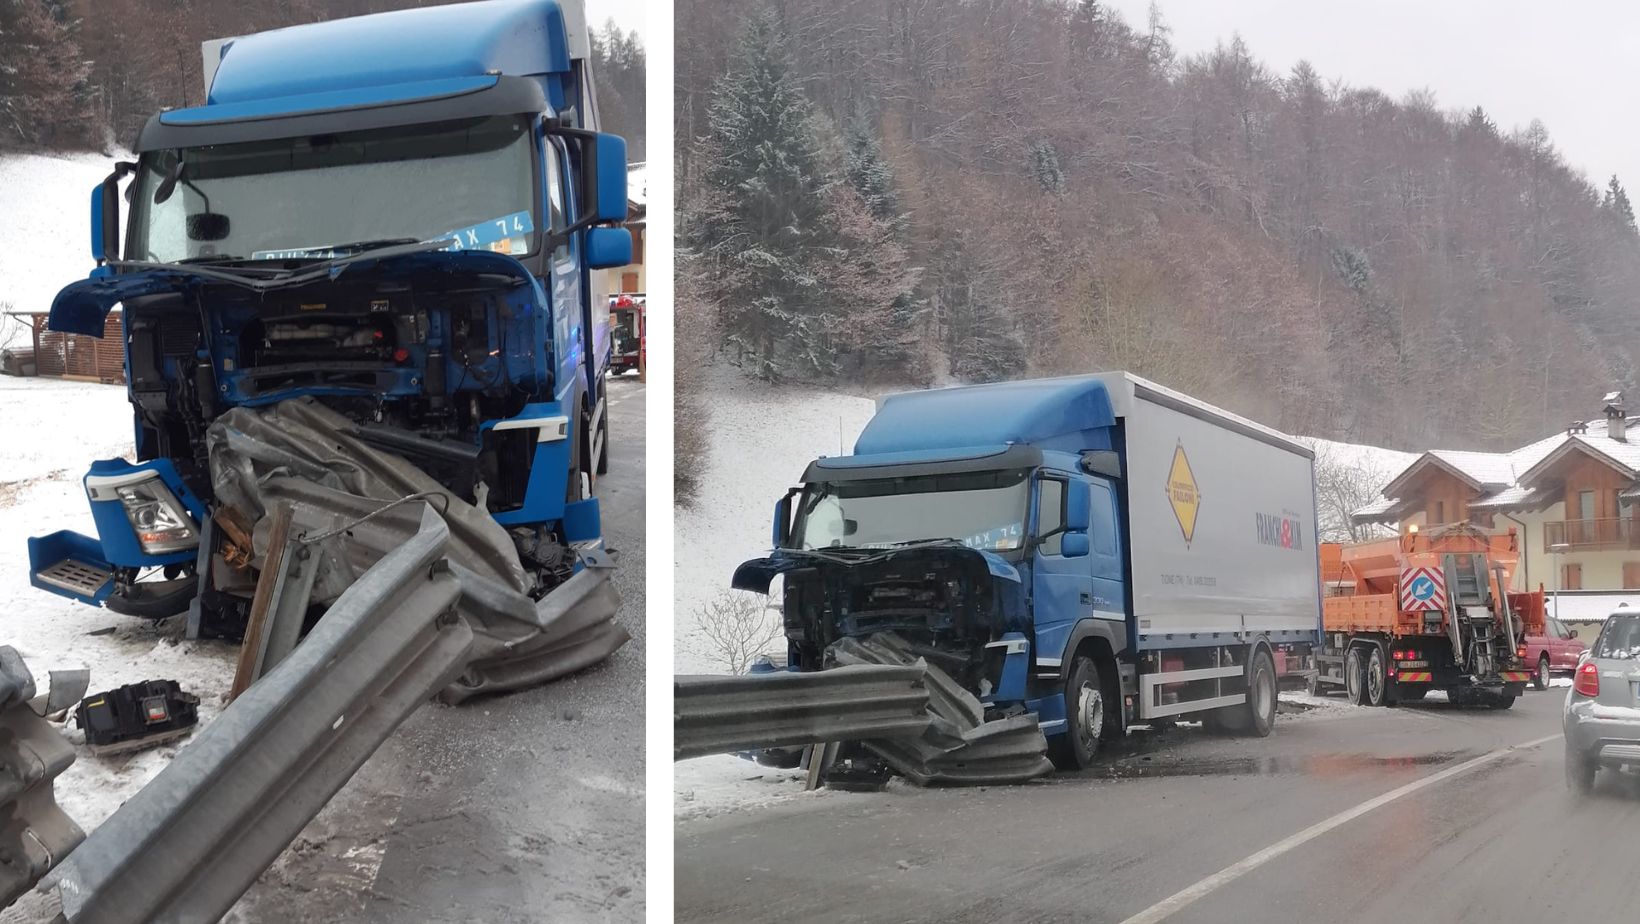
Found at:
(1440, 512)
(1585, 505)
(1631, 575)
(1571, 576)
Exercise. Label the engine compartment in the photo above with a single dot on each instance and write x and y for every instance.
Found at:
(419, 361)
(941, 600)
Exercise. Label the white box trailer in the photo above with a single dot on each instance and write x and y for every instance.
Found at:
(1221, 532)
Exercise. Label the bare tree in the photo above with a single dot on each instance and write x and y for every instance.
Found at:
(738, 626)
(1344, 485)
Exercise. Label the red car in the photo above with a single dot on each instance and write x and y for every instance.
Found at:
(1554, 652)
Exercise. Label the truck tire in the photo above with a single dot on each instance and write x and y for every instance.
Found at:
(1540, 679)
(1355, 679)
(1376, 679)
(1085, 719)
(1260, 710)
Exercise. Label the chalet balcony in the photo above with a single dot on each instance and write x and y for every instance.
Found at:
(1585, 535)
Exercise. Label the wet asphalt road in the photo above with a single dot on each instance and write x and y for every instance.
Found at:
(522, 807)
(1500, 841)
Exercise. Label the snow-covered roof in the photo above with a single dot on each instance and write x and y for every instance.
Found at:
(1582, 606)
(1505, 479)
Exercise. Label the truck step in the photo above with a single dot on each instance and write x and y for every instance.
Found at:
(76, 577)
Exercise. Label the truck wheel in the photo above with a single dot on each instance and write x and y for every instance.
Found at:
(1377, 679)
(1354, 681)
(1540, 680)
(1085, 723)
(1261, 695)
(1579, 772)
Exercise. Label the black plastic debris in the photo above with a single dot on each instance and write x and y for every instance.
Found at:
(137, 715)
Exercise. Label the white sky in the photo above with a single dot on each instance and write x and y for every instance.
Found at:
(630, 15)
(1572, 64)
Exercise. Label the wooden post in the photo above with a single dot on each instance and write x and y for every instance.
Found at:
(273, 569)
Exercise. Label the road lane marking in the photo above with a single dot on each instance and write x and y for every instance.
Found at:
(1179, 900)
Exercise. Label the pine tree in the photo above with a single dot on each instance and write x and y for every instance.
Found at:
(1045, 167)
(1617, 205)
(769, 233)
(43, 98)
(868, 172)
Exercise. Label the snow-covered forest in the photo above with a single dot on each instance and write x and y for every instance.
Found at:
(909, 192)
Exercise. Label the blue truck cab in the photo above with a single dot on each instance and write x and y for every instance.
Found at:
(395, 215)
(1083, 549)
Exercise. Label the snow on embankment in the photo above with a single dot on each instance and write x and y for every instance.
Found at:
(50, 432)
(762, 438)
(45, 200)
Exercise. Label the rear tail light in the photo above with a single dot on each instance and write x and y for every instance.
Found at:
(1520, 652)
(1587, 680)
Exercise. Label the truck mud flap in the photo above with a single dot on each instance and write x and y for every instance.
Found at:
(960, 748)
(187, 846)
(35, 833)
(720, 714)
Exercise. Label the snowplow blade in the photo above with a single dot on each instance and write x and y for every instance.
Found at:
(189, 844)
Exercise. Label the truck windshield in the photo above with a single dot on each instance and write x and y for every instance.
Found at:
(982, 510)
(313, 195)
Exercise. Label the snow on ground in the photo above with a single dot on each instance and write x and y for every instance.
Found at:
(707, 786)
(44, 240)
(50, 432)
(762, 438)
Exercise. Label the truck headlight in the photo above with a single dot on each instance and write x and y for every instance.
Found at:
(161, 522)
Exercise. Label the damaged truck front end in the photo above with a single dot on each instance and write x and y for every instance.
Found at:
(928, 549)
(378, 288)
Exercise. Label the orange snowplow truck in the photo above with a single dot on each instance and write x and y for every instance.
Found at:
(1426, 611)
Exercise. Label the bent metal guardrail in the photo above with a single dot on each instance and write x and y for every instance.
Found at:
(715, 715)
(34, 831)
(189, 844)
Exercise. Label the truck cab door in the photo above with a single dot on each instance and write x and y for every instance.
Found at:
(563, 282)
(1062, 589)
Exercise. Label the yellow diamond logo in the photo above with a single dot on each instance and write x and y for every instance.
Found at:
(1182, 493)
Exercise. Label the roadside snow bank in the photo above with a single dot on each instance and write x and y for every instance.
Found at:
(708, 786)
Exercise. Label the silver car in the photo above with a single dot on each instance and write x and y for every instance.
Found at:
(1602, 715)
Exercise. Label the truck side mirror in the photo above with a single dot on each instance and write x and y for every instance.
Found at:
(105, 214)
(1074, 545)
(1077, 504)
(782, 532)
(608, 248)
(603, 162)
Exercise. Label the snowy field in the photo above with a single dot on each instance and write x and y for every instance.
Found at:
(762, 438)
(44, 240)
(50, 431)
